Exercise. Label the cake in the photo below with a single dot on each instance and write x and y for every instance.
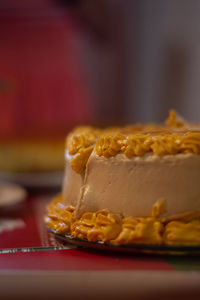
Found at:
(137, 184)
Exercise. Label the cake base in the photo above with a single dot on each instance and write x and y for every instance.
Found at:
(103, 226)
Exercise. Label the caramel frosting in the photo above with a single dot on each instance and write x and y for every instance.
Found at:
(131, 186)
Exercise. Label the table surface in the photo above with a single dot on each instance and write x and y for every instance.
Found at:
(29, 253)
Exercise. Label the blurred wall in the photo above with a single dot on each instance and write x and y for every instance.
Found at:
(126, 61)
(151, 62)
(169, 58)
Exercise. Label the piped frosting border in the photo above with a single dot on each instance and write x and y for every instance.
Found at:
(107, 227)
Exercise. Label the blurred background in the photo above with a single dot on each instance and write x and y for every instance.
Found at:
(71, 62)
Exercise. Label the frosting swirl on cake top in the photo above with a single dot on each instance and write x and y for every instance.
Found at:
(176, 136)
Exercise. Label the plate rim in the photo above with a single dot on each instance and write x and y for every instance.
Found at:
(187, 249)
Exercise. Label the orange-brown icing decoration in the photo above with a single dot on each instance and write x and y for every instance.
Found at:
(80, 144)
(80, 159)
(107, 227)
(99, 226)
(139, 144)
(109, 145)
(158, 208)
(143, 231)
(81, 138)
(174, 120)
(59, 217)
(177, 232)
(135, 140)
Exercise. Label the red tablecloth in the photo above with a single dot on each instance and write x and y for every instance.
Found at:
(30, 257)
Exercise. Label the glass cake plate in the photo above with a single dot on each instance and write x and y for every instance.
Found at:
(131, 248)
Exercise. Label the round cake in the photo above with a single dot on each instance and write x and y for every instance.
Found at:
(133, 184)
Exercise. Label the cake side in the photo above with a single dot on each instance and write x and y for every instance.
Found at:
(131, 186)
(72, 183)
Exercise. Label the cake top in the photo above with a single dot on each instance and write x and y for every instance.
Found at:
(173, 137)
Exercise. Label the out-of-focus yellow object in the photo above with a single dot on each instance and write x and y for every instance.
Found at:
(32, 155)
